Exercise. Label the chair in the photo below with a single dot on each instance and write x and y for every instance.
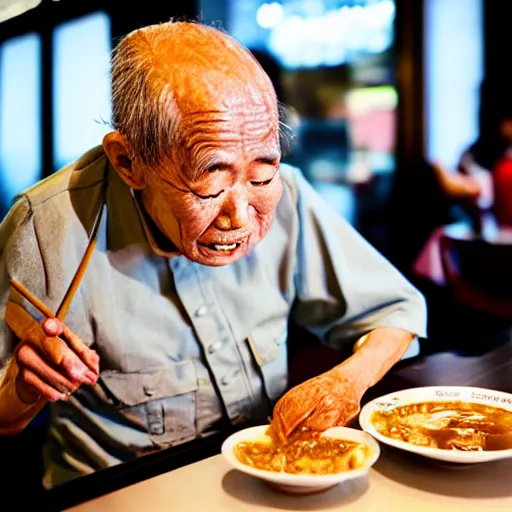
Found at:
(479, 274)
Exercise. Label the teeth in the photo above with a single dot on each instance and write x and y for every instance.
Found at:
(225, 247)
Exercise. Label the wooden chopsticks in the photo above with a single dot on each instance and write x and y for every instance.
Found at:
(75, 282)
(40, 306)
(80, 272)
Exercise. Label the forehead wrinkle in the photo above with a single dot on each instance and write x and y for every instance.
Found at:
(227, 126)
(203, 156)
(223, 135)
(202, 151)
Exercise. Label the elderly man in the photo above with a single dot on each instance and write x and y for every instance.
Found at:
(206, 247)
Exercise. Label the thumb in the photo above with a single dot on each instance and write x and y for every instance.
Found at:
(53, 327)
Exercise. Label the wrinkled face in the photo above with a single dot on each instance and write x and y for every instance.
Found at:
(216, 195)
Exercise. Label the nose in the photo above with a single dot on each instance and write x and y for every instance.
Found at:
(234, 213)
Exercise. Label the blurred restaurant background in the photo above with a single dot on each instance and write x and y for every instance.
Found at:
(384, 97)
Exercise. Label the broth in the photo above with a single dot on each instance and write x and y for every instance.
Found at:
(306, 452)
(446, 425)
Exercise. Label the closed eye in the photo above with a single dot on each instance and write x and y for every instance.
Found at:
(212, 196)
(261, 183)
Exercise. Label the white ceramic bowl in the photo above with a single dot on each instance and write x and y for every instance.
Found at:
(301, 484)
(438, 394)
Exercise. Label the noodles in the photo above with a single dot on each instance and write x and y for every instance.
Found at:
(306, 452)
(445, 425)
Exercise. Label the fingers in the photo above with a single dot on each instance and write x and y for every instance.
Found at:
(278, 430)
(31, 362)
(88, 356)
(321, 422)
(56, 363)
(40, 386)
(288, 416)
(79, 361)
(57, 352)
(52, 360)
(77, 370)
(53, 327)
(38, 370)
(317, 405)
(28, 330)
(332, 416)
(294, 419)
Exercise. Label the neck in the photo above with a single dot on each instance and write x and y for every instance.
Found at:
(157, 240)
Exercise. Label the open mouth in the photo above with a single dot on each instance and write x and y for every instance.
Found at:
(223, 247)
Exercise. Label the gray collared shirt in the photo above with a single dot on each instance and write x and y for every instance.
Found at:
(182, 345)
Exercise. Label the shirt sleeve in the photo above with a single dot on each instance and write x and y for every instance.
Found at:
(345, 287)
(18, 250)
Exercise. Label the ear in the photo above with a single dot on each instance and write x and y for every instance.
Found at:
(117, 151)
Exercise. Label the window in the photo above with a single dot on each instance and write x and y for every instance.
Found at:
(453, 72)
(20, 115)
(81, 85)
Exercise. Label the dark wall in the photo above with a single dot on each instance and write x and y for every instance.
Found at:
(497, 19)
(407, 224)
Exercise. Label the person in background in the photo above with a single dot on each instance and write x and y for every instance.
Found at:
(502, 184)
(488, 159)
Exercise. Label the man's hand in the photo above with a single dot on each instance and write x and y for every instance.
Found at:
(52, 361)
(332, 399)
(329, 400)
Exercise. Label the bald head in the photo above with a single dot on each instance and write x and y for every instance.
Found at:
(197, 134)
(168, 78)
(181, 50)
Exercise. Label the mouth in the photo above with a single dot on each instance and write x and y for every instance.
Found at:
(222, 248)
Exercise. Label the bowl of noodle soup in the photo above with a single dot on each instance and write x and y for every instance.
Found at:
(310, 462)
(456, 424)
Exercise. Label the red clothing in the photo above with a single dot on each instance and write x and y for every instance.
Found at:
(502, 178)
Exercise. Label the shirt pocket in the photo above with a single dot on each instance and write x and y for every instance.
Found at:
(162, 401)
(268, 346)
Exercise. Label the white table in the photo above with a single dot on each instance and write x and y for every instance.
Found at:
(398, 483)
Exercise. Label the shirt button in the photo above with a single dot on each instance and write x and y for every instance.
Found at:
(201, 311)
(156, 429)
(148, 391)
(228, 379)
(214, 347)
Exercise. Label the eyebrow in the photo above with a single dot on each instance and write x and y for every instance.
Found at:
(270, 159)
